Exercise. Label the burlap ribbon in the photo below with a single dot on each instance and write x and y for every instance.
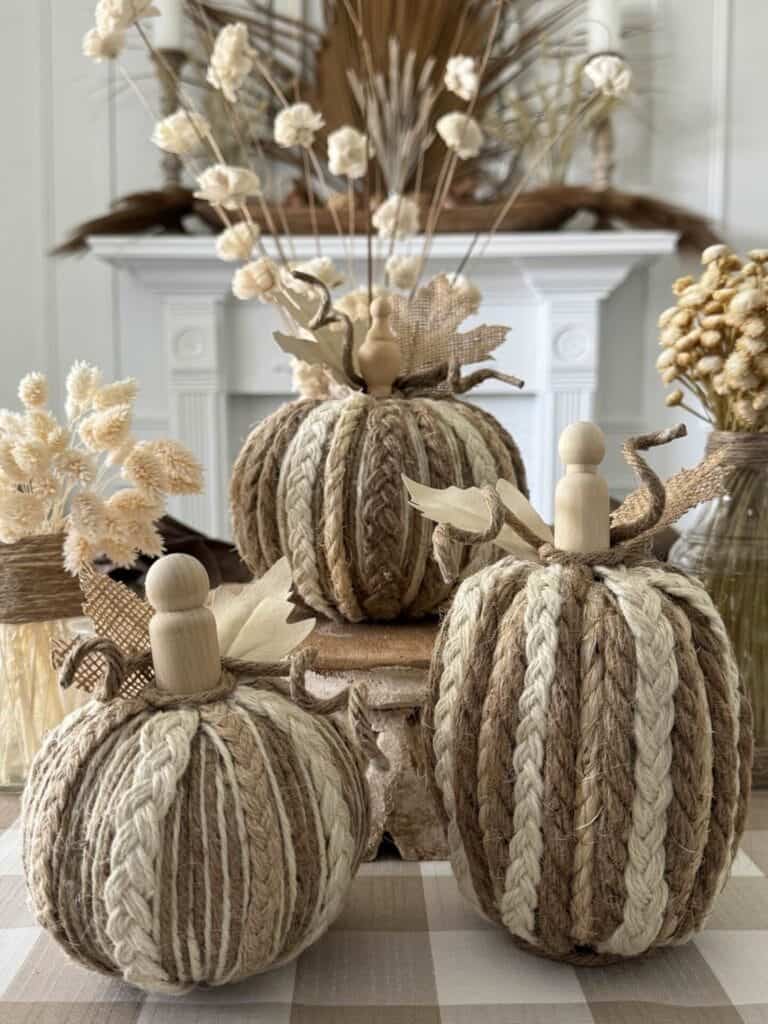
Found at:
(648, 509)
(34, 585)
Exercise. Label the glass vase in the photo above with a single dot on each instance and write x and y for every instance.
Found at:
(727, 549)
(38, 601)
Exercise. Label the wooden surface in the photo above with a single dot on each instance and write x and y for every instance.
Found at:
(365, 645)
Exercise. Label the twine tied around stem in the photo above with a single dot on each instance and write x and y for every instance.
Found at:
(288, 679)
(441, 381)
(648, 509)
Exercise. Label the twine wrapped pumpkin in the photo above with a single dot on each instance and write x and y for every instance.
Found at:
(586, 731)
(202, 826)
(319, 481)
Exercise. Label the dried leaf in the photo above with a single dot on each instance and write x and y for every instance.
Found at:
(466, 509)
(232, 606)
(267, 636)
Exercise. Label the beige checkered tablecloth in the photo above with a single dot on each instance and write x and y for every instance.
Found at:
(408, 951)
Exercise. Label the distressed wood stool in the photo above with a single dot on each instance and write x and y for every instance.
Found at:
(393, 662)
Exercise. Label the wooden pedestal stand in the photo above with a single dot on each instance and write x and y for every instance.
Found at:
(393, 662)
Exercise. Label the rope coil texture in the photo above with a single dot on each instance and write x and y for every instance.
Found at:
(597, 811)
(320, 482)
(176, 841)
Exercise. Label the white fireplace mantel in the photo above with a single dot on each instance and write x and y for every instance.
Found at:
(213, 359)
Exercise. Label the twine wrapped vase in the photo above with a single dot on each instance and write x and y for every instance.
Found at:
(586, 731)
(37, 598)
(202, 828)
(320, 482)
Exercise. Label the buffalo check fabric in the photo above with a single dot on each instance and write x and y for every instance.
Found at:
(407, 950)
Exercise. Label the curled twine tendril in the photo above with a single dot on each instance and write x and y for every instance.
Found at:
(635, 521)
(287, 678)
(441, 381)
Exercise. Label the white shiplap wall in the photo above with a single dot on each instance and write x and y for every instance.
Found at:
(76, 137)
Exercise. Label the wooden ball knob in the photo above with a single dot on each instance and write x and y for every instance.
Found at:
(381, 309)
(182, 632)
(582, 444)
(176, 583)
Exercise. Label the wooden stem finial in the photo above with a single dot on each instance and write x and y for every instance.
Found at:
(582, 508)
(379, 355)
(182, 633)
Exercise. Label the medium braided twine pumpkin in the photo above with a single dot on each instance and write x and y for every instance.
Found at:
(192, 845)
(321, 482)
(591, 747)
(196, 839)
(586, 730)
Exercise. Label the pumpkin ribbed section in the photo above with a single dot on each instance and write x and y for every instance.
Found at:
(321, 482)
(589, 743)
(194, 845)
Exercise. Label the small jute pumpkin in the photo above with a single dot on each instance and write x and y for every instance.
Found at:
(199, 828)
(320, 481)
(586, 731)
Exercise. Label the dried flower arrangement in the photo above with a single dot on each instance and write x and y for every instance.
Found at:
(57, 478)
(375, 70)
(715, 340)
(59, 510)
(405, 114)
(715, 348)
(417, 88)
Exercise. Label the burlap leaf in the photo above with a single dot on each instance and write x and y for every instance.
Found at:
(427, 327)
(117, 614)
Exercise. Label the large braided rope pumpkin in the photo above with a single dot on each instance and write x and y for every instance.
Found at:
(590, 746)
(321, 482)
(197, 839)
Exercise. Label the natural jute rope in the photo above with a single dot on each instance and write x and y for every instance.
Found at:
(320, 481)
(34, 585)
(588, 736)
(609, 786)
(198, 839)
(740, 449)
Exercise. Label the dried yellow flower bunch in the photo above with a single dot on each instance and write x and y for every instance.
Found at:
(715, 340)
(88, 477)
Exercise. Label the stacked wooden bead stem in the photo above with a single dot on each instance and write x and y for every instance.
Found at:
(586, 732)
(319, 481)
(199, 831)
